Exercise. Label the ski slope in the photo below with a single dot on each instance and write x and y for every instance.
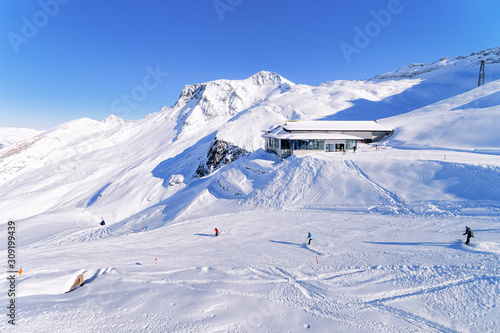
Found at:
(387, 223)
(374, 272)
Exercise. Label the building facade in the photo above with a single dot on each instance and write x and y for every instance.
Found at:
(304, 137)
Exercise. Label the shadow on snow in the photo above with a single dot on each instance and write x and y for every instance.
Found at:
(458, 245)
(301, 245)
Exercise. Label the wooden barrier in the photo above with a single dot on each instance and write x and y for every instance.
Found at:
(78, 282)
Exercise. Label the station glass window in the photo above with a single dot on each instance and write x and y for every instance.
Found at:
(286, 144)
(309, 144)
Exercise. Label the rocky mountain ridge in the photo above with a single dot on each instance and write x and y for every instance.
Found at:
(203, 102)
(490, 56)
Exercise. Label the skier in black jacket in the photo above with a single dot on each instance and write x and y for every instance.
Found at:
(469, 233)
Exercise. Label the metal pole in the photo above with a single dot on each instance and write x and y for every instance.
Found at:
(482, 73)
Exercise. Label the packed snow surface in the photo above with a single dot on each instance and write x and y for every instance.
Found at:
(387, 255)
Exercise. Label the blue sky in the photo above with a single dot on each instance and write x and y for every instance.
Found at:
(68, 59)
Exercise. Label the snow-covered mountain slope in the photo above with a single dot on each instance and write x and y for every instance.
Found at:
(468, 121)
(117, 168)
(10, 136)
(302, 102)
(458, 64)
(383, 96)
(385, 255)
(361, 273)
(222, 98)
(442, 79)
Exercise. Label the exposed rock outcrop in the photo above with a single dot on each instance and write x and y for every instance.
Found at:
(219, 154)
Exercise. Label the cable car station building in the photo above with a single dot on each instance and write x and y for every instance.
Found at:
(304, 137)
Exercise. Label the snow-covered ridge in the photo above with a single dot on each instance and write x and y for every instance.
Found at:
(202, 102)
(229, 90)
(262, 78)
(10, 136)
(490, 56)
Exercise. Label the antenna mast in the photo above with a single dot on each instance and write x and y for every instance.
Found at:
(481, 73)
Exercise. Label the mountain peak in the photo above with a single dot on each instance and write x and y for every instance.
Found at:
(268, 78)
(113, 119)
(218, 99)
(261, 79)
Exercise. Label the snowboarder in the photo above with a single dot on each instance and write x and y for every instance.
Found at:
(376, 148)
(102, 222)
(216, 232)
(469, 233)
(310, 238)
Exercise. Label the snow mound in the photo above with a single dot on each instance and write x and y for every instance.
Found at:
(313, 182)
(48, 283)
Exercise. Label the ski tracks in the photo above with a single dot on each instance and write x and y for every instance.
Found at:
(72, 237)
(422, 323)
(388, 195)
(332, 180)
(338, 294)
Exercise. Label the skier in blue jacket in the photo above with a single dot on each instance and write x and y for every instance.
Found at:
(309, 237)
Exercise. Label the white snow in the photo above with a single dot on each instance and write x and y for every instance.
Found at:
(335, 126)
(387, 254)
(9, 136)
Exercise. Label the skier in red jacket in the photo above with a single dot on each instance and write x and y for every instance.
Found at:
(216, 232)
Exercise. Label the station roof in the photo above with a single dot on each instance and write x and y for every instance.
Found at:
(280, 133)
(319, 125)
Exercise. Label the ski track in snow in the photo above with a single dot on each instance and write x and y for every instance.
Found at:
(327, 186)
(384, 258)
(302, 293)
(329, 293)
(390, 197)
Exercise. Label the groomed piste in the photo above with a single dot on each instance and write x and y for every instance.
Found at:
(387, 254)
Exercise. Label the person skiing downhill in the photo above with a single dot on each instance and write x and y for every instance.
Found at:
(469, 233)
(310, 238)
(216, 232)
